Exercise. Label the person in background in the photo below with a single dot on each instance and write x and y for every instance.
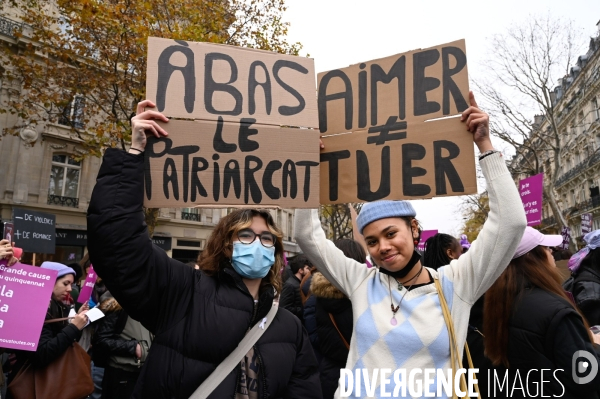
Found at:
(585, 273)
(291, 298)
(198, 316)
(56, 337)
(121, 346)
(309, 301)
(464, 243)
(334, 320)
(440, 250)
(77, 284)
(531, 325)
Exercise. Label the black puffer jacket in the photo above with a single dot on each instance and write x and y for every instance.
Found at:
(330, 300)
(586, 291)
(290, 297)
(197, 320)
(107, 340)
(545, 333)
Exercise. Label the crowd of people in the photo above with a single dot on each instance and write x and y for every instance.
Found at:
(173, 331)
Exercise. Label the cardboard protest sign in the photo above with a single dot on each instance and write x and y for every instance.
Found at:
(25, 292)
(88, 286)
(388, 105)
(206, 81)
(34, 231)
(531, 191)
(425, 234)
(232, 164)
(587, 220)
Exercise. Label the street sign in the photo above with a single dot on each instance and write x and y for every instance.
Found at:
(34, 231)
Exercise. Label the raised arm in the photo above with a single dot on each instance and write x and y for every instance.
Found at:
(475, 271)
(148, 284)
(344, 273)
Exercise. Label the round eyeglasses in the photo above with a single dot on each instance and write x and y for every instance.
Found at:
(247, 236)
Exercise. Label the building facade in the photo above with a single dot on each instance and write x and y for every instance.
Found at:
(41, 171)
(576, 104)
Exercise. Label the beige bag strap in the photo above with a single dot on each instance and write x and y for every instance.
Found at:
(455, 357)
(235, 357)
(339, 332)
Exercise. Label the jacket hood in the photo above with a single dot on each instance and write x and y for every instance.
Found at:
(110, 305)
(322, 288)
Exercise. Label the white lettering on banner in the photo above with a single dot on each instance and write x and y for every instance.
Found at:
(42, 236)
(89, 284)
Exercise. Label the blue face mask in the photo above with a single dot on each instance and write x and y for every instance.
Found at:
(252, 260)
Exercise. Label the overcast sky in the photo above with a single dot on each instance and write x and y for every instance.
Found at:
(338, 33)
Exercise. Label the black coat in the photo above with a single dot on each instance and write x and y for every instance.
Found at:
(197, 319)
(310, 318)
(545, 331)
(290, 297)
(586, 291)
(330, 300)
(107, 340)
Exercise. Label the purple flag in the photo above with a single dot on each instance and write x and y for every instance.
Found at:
(25, 292)
(531, 190)
(88, 286)
(425, 234)
(566, 233)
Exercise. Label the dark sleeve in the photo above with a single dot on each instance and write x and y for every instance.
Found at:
(587, 296)
(107, 337)
(571, 337)
(304, 382)
(50, 347)
(288, 299)
(152, 288)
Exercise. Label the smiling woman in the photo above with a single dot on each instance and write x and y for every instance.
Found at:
(399, 302)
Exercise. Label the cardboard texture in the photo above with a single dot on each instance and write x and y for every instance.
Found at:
(204, 81)
(399, 169)
(230, 164)
(396, 113)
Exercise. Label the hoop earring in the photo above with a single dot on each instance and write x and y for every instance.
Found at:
(416, 242)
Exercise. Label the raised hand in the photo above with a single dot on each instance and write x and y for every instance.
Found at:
(144, 124)
(478, 123)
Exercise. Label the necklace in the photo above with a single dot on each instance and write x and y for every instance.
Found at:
(401, 285)
(395, 309)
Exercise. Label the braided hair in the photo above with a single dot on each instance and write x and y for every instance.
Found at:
(435, 250)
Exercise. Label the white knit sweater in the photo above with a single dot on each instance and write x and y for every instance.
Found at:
(420, 338)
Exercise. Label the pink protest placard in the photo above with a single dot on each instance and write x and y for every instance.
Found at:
(88, 286)
(425, 234)
(25, 293)
(531, 190)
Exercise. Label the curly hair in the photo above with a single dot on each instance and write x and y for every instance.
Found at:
(219, 247)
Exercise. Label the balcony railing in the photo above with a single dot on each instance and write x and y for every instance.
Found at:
(578, 169)
(190, 216)
(8, 27)
(549, 221)
(63, 201)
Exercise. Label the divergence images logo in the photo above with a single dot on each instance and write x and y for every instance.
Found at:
(580, 367)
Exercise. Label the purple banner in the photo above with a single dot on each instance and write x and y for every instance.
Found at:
(425, 234)
(566, 233)
(25, 292)
(531, 190)
(88, 286)
(586, 223)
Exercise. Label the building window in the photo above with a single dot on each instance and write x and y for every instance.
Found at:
(64, 181)
(595, 110)
(290, 226)
(190, 214)
(72, 114)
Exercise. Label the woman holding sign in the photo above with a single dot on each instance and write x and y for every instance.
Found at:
(400, 323)
(198, 316)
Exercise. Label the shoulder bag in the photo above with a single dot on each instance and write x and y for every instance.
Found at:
(455, 357)
(67, 377)
(235, 357)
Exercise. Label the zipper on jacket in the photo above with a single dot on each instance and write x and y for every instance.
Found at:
(261, 367)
